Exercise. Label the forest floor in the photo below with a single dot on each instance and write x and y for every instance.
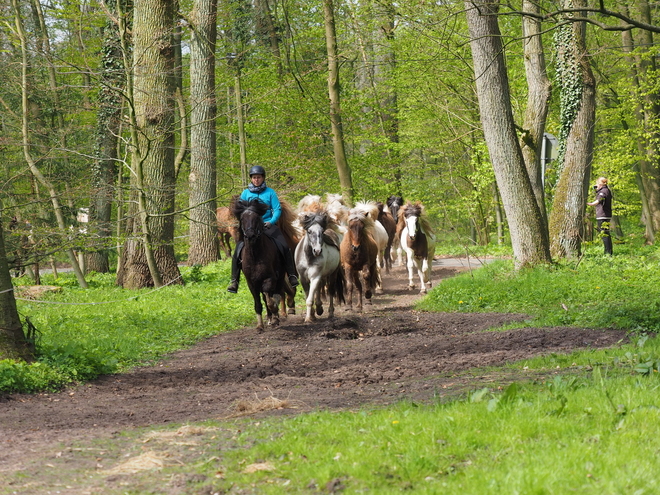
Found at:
(388, 353)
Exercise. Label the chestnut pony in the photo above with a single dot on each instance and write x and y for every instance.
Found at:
(359, 257)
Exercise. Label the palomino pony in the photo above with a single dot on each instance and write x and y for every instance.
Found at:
(227, 229)
(317, 261)
(394, 203)
(262, 263)
(418, 241)
(359, 255)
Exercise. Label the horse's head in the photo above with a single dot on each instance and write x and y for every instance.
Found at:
(249, 214)
(410, 214)
(358, 226)
(394, 203)
(314, 224)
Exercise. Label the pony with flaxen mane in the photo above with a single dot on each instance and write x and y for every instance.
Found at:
(359, 255)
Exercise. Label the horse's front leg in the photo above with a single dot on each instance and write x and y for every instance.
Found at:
(258, 309)
(358, 286)
(272, 307)
(312, 296)
(411, 272)
(426, 271)
(349, 287)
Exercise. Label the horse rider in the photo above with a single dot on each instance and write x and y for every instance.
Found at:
(259, 190)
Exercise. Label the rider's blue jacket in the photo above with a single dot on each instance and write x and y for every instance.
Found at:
(268, 196)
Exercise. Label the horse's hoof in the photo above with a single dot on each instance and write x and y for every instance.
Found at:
(367, 294)
(319, 310)
(292, 311)
(379, 291)
(411, 287)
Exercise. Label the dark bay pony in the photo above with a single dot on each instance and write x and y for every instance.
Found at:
(262, 264)
(394, 203)
(418, 241)
(389, 223)
(359, 255)
(318, 263)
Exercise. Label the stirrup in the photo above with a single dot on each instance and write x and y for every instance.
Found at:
(293, 280)
(233, 287)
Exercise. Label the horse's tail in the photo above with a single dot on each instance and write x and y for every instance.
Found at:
(286, 224)
(340, 285)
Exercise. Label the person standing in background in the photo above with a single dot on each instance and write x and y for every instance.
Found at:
(603, 204)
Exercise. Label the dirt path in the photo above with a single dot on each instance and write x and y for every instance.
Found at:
(388, 353)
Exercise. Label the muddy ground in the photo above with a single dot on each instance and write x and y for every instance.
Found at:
(388, 353)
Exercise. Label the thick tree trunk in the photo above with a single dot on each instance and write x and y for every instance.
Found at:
(538, 97)
(567, 217)
(153, 177)
(529, 236)
(202, 180)
(13, 344)
(343, 169)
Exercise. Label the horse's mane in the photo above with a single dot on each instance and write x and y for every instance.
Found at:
(285, 223)
(370, 208)
(416, 209)
(336, 208)
(357, 214)
(310, 202)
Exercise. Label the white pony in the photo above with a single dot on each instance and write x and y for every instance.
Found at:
(318, 263)
(418, 241)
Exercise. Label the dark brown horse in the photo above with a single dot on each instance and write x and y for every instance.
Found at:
(388, 221)
(262, 263)
(359, 255)
(393, 205)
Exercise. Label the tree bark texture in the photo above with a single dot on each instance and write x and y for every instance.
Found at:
(569, 204)
(104, 169)
(343, 169)
(203, 248)
(13, 344)
(529, 235)
(153, 90)
(538, 97)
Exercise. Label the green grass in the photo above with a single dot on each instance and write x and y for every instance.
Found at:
(104, 329)
(590, 436)
(596, 292)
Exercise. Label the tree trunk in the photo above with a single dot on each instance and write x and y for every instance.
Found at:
(203, 248)
(538, 97)
(105, 166)
(569, 204)
(529, 235)
(153, 174)
(13, 344)
(343, 169)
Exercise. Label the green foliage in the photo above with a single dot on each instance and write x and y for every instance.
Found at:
(105, 329)
(599, 292)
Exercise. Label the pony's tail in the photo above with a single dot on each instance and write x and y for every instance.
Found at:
(339, 286)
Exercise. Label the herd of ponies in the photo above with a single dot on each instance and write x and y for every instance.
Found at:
(339, 251)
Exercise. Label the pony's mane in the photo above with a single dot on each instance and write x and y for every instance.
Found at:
(370, 208)
(286, 222)
(311, 202)
(356, 214)
(417, 209)
(336, 208)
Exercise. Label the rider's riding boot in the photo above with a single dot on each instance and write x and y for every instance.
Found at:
(291, 268)
(235, 269)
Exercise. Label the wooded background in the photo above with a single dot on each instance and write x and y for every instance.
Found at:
(149, 112)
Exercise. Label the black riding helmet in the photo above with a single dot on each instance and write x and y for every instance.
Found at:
(258, 170)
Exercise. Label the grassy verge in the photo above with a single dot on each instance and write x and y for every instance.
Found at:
(105, 329)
